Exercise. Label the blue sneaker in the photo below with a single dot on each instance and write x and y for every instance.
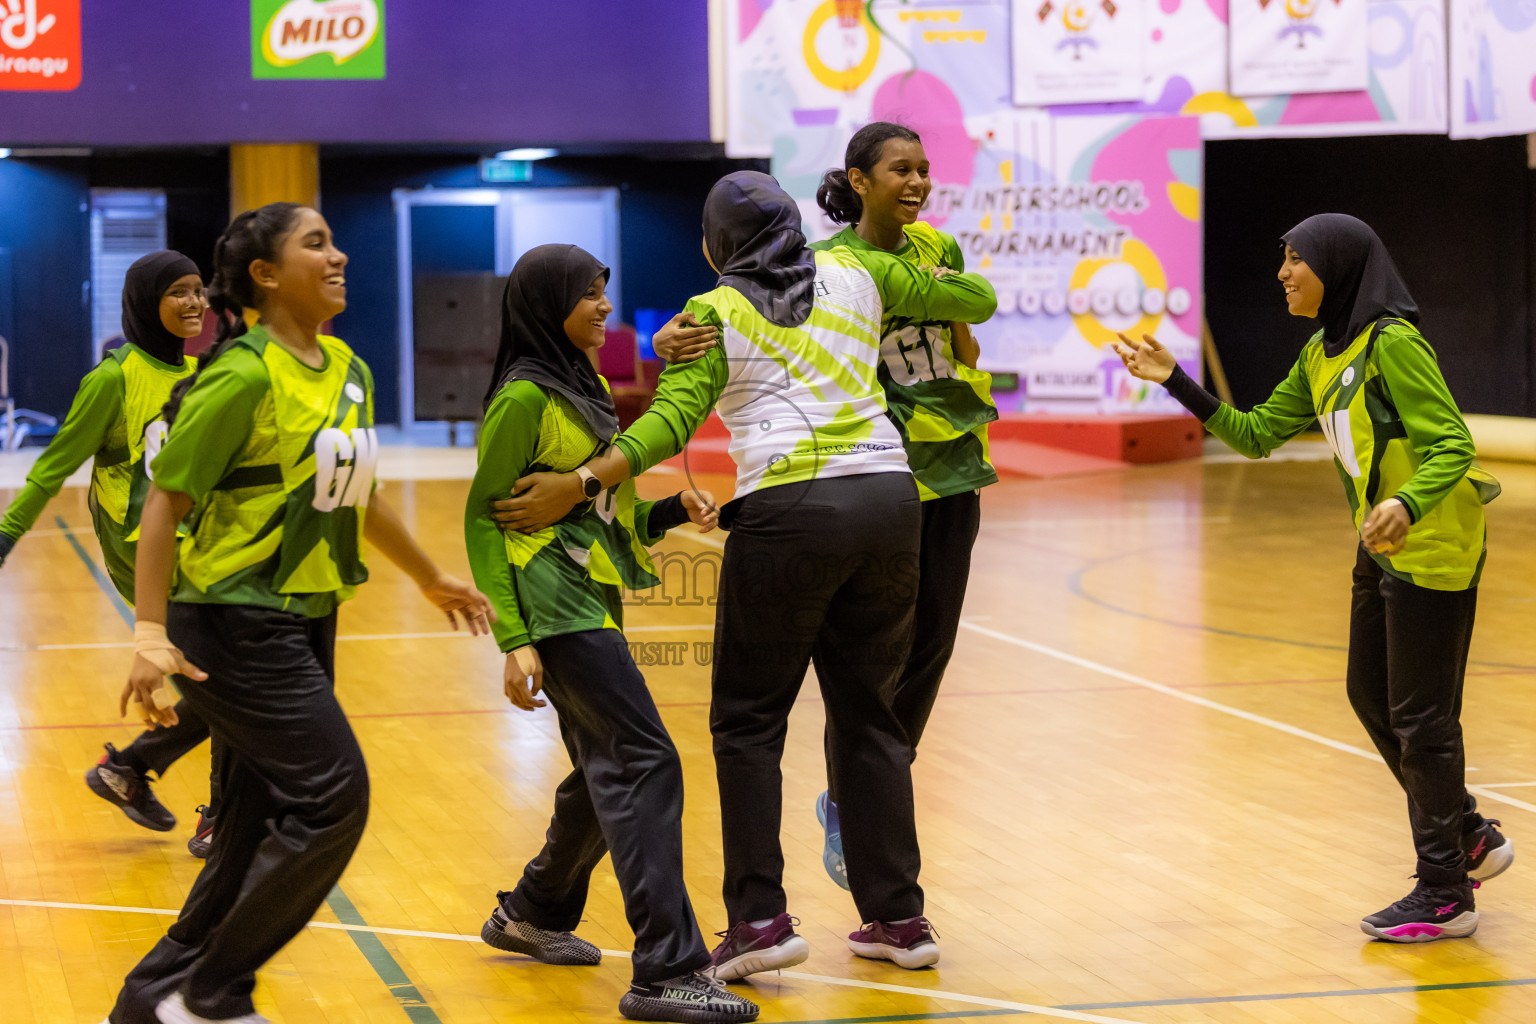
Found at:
(832, 853)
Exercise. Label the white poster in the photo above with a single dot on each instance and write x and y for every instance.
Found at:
(1076, 51)
(1493, 68)
(1299, 46)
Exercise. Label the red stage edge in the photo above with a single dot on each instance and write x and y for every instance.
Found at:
(1030, 446)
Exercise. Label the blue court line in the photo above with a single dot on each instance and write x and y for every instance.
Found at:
(1390, 990)
(384, 965)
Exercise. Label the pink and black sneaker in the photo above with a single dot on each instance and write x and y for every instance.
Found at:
(748, 950)
(1428, 913)
(1488, 850)
(119, 783)
(906, 943)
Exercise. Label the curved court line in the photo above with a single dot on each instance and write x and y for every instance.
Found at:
(1075, 585)
(1226, 709)
(956, 997)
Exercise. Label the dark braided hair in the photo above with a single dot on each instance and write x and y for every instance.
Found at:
(835, 194)
(253, 235)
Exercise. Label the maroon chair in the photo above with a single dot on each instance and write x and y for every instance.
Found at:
(632, 382)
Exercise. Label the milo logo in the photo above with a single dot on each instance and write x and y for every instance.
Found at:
(311, 39)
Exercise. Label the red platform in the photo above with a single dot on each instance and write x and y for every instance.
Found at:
(1027, 445)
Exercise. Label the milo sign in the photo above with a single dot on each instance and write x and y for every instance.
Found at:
(317, 39)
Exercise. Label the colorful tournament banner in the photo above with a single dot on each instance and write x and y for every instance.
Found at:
(1086, 226)
(1493, 68)
(39, 44)
(317, 39)
(1298, 46)
(1076, 51)
(828, 62)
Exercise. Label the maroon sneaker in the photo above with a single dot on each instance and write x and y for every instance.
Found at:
(748, 950)
(906, 943)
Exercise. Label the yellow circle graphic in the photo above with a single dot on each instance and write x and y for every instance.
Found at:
(1142, 260)
(847, 79)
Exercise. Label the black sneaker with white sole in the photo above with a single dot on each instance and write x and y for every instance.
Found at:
(1488, 851)
(687, 999)
(1428, 913)
(116, 782)
(510, 934)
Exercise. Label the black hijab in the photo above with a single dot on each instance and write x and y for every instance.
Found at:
(1360, 282)
(752, 228)
(544, 287)
(143, 288)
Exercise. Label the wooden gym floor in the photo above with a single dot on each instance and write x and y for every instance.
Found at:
(1143, 796)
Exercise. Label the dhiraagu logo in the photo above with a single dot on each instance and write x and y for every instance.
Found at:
(309, 39)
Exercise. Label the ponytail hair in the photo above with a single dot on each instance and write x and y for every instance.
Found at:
(835, 194)
(253, 235)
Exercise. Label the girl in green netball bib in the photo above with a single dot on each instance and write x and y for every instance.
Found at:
(272, 449)
(559, 599)
(1405, 458)
(115, 420)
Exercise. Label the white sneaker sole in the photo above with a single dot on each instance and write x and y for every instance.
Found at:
(1458, 927)
(924, 954)
(1496, 862)
(793, 950)
(173, 1010)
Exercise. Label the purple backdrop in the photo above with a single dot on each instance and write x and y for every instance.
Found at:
(178, 72)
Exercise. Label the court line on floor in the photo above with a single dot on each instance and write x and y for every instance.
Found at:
(384, 965)
(106, 645)
(357, 929)
(994, 1007)
(1076, 585)
(1211, 705)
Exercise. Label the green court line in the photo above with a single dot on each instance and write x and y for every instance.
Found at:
(97, 573)
(384, 965)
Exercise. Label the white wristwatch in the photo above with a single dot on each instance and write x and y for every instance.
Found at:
(590, 485)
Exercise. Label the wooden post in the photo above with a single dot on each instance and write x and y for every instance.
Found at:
(261, 173)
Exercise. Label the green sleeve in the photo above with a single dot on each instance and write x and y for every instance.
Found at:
(97, 407)
(954, 259)
(685, 394)
(216, 417)
(508, 440)
(1270, 424)
(906, 290)
(1435, 428)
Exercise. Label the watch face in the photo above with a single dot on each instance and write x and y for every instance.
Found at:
(591, 487)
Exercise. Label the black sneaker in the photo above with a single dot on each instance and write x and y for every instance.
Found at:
(202, 839)
(1428, 913)
(115, 782)
(512, 935)
(689, 999)
(1488, 850)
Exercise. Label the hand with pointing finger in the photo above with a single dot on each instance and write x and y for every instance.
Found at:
(1147, 359)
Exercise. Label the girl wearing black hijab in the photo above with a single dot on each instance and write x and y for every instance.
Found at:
(558, 595)
(822, 558)
(115, 419)
(1405, 458)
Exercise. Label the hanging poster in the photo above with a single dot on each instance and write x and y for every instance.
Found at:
(1298, 46)
(1076, 51)
(1084, 225)
(1493, 68)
